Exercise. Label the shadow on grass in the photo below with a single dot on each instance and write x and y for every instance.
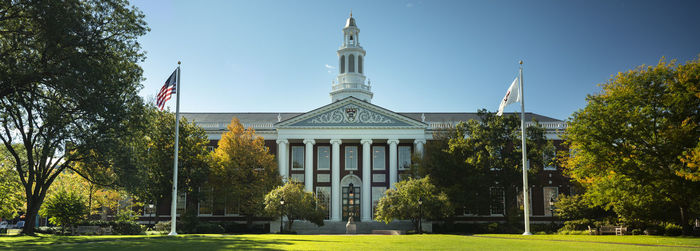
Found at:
(152, 243)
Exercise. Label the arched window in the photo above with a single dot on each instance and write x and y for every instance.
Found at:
(359, 63)
(342, 64)
(351, 63)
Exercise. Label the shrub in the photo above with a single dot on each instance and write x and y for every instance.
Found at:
(581, 224)
(64, 208)
(671, 229)
(127, 228)
(636, 232)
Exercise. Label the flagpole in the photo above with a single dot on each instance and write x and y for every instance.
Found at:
(526, 189)
(173, 206)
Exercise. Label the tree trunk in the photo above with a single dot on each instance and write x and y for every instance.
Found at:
(33, 205)
(155, 212)
(684, 221)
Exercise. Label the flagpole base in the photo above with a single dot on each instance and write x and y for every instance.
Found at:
(172, 234)
(527, 233)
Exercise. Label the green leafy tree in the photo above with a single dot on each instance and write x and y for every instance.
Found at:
(150, 175)
(402, 202)
(243, 171)
(11, 193)
(632, 144)
(492, 154)
(69, 78)
(298, 204)
(64, 208)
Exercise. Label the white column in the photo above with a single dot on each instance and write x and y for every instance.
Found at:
(365, 197)
(393, 165)
(335, 180)
(282, 158)
(419, 146)
(309, 166)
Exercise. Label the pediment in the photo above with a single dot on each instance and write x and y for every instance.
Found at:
(350, 113)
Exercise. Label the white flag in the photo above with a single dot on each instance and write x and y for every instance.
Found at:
(512, 96)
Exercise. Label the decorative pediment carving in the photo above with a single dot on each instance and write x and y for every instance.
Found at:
(350, 114)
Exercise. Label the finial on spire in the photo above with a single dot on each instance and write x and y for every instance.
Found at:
(350, 12)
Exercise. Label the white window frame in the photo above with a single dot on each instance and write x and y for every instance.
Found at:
(547, 211)
(329, 199)
(401, 163)
(352, 167)
(383, 160)
(503, 200)
(318, 158)
(546, 160)
(303, 153)
(211, 207)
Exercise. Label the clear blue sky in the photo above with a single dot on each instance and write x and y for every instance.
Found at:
(422, 56)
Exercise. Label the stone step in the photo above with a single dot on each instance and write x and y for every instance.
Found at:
(336, 227)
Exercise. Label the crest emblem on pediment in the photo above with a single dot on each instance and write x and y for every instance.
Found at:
(350, 113)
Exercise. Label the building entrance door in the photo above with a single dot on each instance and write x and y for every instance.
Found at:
(351, 202)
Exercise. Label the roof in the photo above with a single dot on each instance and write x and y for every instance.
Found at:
(272, 117)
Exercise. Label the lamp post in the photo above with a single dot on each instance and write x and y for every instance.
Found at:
(150, 210)
(420, 215)
(282, 215)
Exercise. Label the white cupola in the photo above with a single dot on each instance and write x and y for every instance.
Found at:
(351, 80)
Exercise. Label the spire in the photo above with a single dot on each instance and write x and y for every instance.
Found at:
(350, 22)
(351, 80)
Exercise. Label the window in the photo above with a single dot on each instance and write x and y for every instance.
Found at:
(297, 157)
(548, 157)
(550, 194)
(324, 199)
(211, 148)
(519, 192)
(232, 206)
(206, 203)
(377, 194)
(324, 158)
(498, 201)
(181, 203)
(404, 157)
(378, 158)
(359, 63)
(351, 63)
(219, 202)
(350, 158)
(342, 64)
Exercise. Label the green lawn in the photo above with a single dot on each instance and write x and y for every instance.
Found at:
(344, 242)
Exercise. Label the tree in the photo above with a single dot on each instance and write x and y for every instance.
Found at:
(298, 204)
(150, 174)
(243, 171)
(64, 208)
(11, 196)
(402, 202)
(632, 145)
(70, 81)
(492, 154)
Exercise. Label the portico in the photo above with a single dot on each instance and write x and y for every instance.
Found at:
(348, 140)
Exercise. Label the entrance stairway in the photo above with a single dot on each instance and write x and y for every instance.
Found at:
(336, 227)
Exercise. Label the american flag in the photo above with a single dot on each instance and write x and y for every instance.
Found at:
(168, 89)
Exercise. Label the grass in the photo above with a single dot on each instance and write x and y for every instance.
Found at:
(345, 242)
